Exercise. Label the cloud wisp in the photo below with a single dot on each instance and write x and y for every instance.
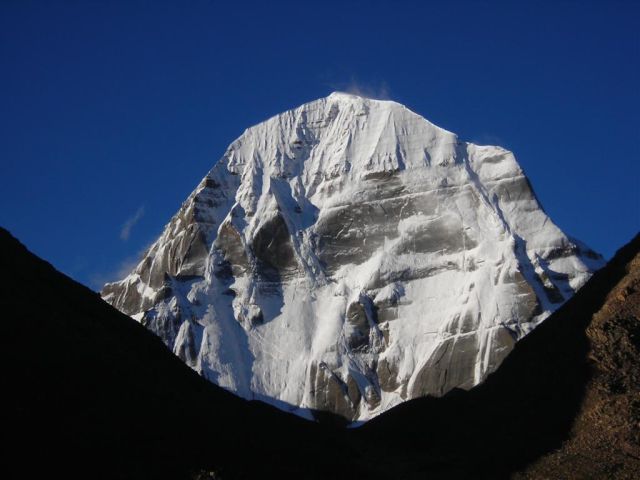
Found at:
(125, 231)
(381, 92)
(372, 90)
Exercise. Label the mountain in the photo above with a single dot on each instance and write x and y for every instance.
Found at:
(347, 256)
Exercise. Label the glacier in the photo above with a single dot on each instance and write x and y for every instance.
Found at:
(348, 255)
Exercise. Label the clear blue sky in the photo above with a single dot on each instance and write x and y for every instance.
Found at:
(111, 113)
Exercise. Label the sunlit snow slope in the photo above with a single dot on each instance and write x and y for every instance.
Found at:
(348, 255)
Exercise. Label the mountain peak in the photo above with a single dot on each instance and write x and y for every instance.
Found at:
(348, 255)
(349, 96)
(344, 95)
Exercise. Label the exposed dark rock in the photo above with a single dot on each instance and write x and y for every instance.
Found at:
(387, 373)
(358, 324)
(353, 391)
(450, 366)
(187, 351)
(272, 246)
(331, 393)
(230, 243)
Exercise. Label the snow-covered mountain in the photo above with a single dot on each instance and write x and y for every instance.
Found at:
(348, 255)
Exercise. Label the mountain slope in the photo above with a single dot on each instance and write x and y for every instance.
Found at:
(90, 393)
(349, 255)
(564, 404)
(94, 395)
(604, 441)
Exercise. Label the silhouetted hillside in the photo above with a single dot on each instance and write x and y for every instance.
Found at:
(93, 394)
(580, 366)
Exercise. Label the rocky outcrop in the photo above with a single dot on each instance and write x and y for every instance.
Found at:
(604, 440)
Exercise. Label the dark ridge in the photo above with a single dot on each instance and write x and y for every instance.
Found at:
(93, 394)
(523, 411)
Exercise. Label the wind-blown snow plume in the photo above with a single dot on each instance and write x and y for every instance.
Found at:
(125, 232)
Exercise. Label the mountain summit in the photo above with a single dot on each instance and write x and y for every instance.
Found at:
(348, 255)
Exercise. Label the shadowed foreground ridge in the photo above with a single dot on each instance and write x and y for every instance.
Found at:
(571, 387)
(93, 394)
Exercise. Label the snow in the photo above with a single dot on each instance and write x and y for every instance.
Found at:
(407, 244)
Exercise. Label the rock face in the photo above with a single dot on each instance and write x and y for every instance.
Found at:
(348, 255)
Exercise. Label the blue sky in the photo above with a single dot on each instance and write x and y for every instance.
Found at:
(112, 112)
